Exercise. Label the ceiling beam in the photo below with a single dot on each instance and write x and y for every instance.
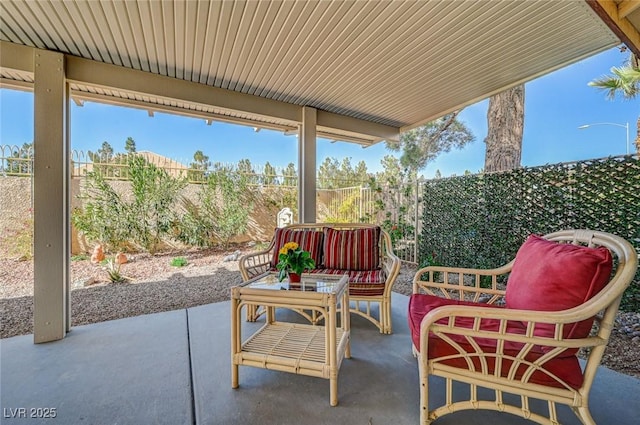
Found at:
(626, 7)
(608, 11)
(98, 74)
(79, 97)
(7, 83)
(175, 110)
(357, 126)
(85, 71)
(16, 56)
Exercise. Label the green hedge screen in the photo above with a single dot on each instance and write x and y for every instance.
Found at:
(481, 220)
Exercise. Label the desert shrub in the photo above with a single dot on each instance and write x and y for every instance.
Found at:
(104, 216)
(222, 211)
(109, 218)
(155, 194)
(196, 224)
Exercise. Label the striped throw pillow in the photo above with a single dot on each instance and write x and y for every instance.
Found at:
(308, 240)
(355, 249)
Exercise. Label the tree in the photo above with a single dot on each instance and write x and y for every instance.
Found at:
(130, 145)
(199, 166)
(361, 174)
(505, 119)
(105, 153)
(626, 81)
(327, 173)
(222, 211)
(269, 175)
(101, 158)
(290, 175)
(393, 203)
(393, 173)
(346, 176)
(246, 168)
(201, 160)
(423, 144)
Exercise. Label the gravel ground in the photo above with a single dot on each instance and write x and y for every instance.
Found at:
(154, 286)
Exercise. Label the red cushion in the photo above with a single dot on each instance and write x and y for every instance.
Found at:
(549, 276)
(566, 368)
(355, 249)
(308, 240)
(361, 282)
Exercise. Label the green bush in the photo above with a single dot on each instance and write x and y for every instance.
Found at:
(155, 193)
(104, 217)
(144, 220)
(179, 262)
(222, 211)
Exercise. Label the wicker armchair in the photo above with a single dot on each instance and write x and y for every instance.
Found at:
(463, 331)
(371, 284)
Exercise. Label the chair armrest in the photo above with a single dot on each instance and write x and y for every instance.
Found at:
(479, 360)
(255, 263)
(390, 262)
(461, 283)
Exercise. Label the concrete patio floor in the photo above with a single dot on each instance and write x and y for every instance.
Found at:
(174, 368)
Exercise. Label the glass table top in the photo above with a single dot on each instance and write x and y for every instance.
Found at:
(308, 283)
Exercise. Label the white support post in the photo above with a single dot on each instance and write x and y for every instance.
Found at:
(51, 315)
(307, 166)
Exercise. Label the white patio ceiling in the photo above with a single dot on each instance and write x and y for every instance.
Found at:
(391, 64)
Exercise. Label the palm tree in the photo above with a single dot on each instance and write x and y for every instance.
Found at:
(626, 81)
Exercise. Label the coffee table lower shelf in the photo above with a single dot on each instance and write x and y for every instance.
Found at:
(292, 347)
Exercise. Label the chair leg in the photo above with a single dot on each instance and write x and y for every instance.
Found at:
(424, 393)
(584, 415)
(385, 317)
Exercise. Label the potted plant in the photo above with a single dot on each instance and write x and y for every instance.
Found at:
(292, 261)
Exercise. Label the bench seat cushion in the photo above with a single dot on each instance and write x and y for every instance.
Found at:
(566, 368)
(361, 282)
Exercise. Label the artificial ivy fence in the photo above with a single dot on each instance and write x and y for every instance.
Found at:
(481, 220)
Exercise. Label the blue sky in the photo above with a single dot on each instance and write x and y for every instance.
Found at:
(555, 106)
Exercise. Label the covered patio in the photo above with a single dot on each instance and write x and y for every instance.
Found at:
(174, 368)
(360, 72)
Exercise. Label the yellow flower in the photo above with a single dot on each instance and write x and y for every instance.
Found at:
(288, 246)
(293, 259)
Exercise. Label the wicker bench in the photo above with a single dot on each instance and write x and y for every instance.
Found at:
(362, 251)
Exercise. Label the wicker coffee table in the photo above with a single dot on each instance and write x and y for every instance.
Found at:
(305, 349)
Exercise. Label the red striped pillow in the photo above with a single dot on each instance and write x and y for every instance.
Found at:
(355, 249)
(308, 240)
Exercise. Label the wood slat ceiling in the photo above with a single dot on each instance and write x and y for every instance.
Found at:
(398, 63)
